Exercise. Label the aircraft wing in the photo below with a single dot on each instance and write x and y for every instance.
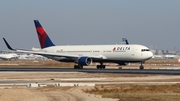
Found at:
(46, 54)
(57, 54)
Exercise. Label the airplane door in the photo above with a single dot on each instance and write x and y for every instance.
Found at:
(142, 53)
(133, 52)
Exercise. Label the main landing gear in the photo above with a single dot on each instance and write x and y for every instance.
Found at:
(101, 66)
(78, 66)
(141, 66)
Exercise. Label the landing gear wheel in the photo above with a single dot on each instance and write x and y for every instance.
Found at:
(98, 66)
(141, 67)
(78, 66)
(101, 66)
(75, 66)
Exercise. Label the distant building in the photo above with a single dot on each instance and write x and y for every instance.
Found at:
(166, 54)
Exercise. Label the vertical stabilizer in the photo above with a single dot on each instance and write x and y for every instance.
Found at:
(44, 39)
(125, 40)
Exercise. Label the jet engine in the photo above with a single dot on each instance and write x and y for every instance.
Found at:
(86, 61)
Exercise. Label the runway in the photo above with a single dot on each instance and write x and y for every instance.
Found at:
(93, 70)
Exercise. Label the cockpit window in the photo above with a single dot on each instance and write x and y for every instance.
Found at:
(142, 50)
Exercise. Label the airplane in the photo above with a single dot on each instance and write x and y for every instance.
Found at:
(9, 56)
(85, 55)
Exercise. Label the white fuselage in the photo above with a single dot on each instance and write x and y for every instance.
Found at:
(108, 53)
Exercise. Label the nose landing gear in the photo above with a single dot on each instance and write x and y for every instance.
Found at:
(141, 66)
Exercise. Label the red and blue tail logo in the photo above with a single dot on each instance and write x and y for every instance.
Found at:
(44, 39)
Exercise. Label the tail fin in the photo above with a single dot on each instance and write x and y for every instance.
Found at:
(44, 39)
(125, 40)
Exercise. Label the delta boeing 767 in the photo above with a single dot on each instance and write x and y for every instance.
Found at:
(85, 55)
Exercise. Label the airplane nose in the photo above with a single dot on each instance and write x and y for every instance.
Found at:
(150, 55)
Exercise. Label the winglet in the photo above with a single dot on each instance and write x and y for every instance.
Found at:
(8, 46)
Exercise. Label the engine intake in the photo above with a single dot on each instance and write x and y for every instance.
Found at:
(85, 61)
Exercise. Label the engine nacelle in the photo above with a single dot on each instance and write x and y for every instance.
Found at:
(85, 61)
